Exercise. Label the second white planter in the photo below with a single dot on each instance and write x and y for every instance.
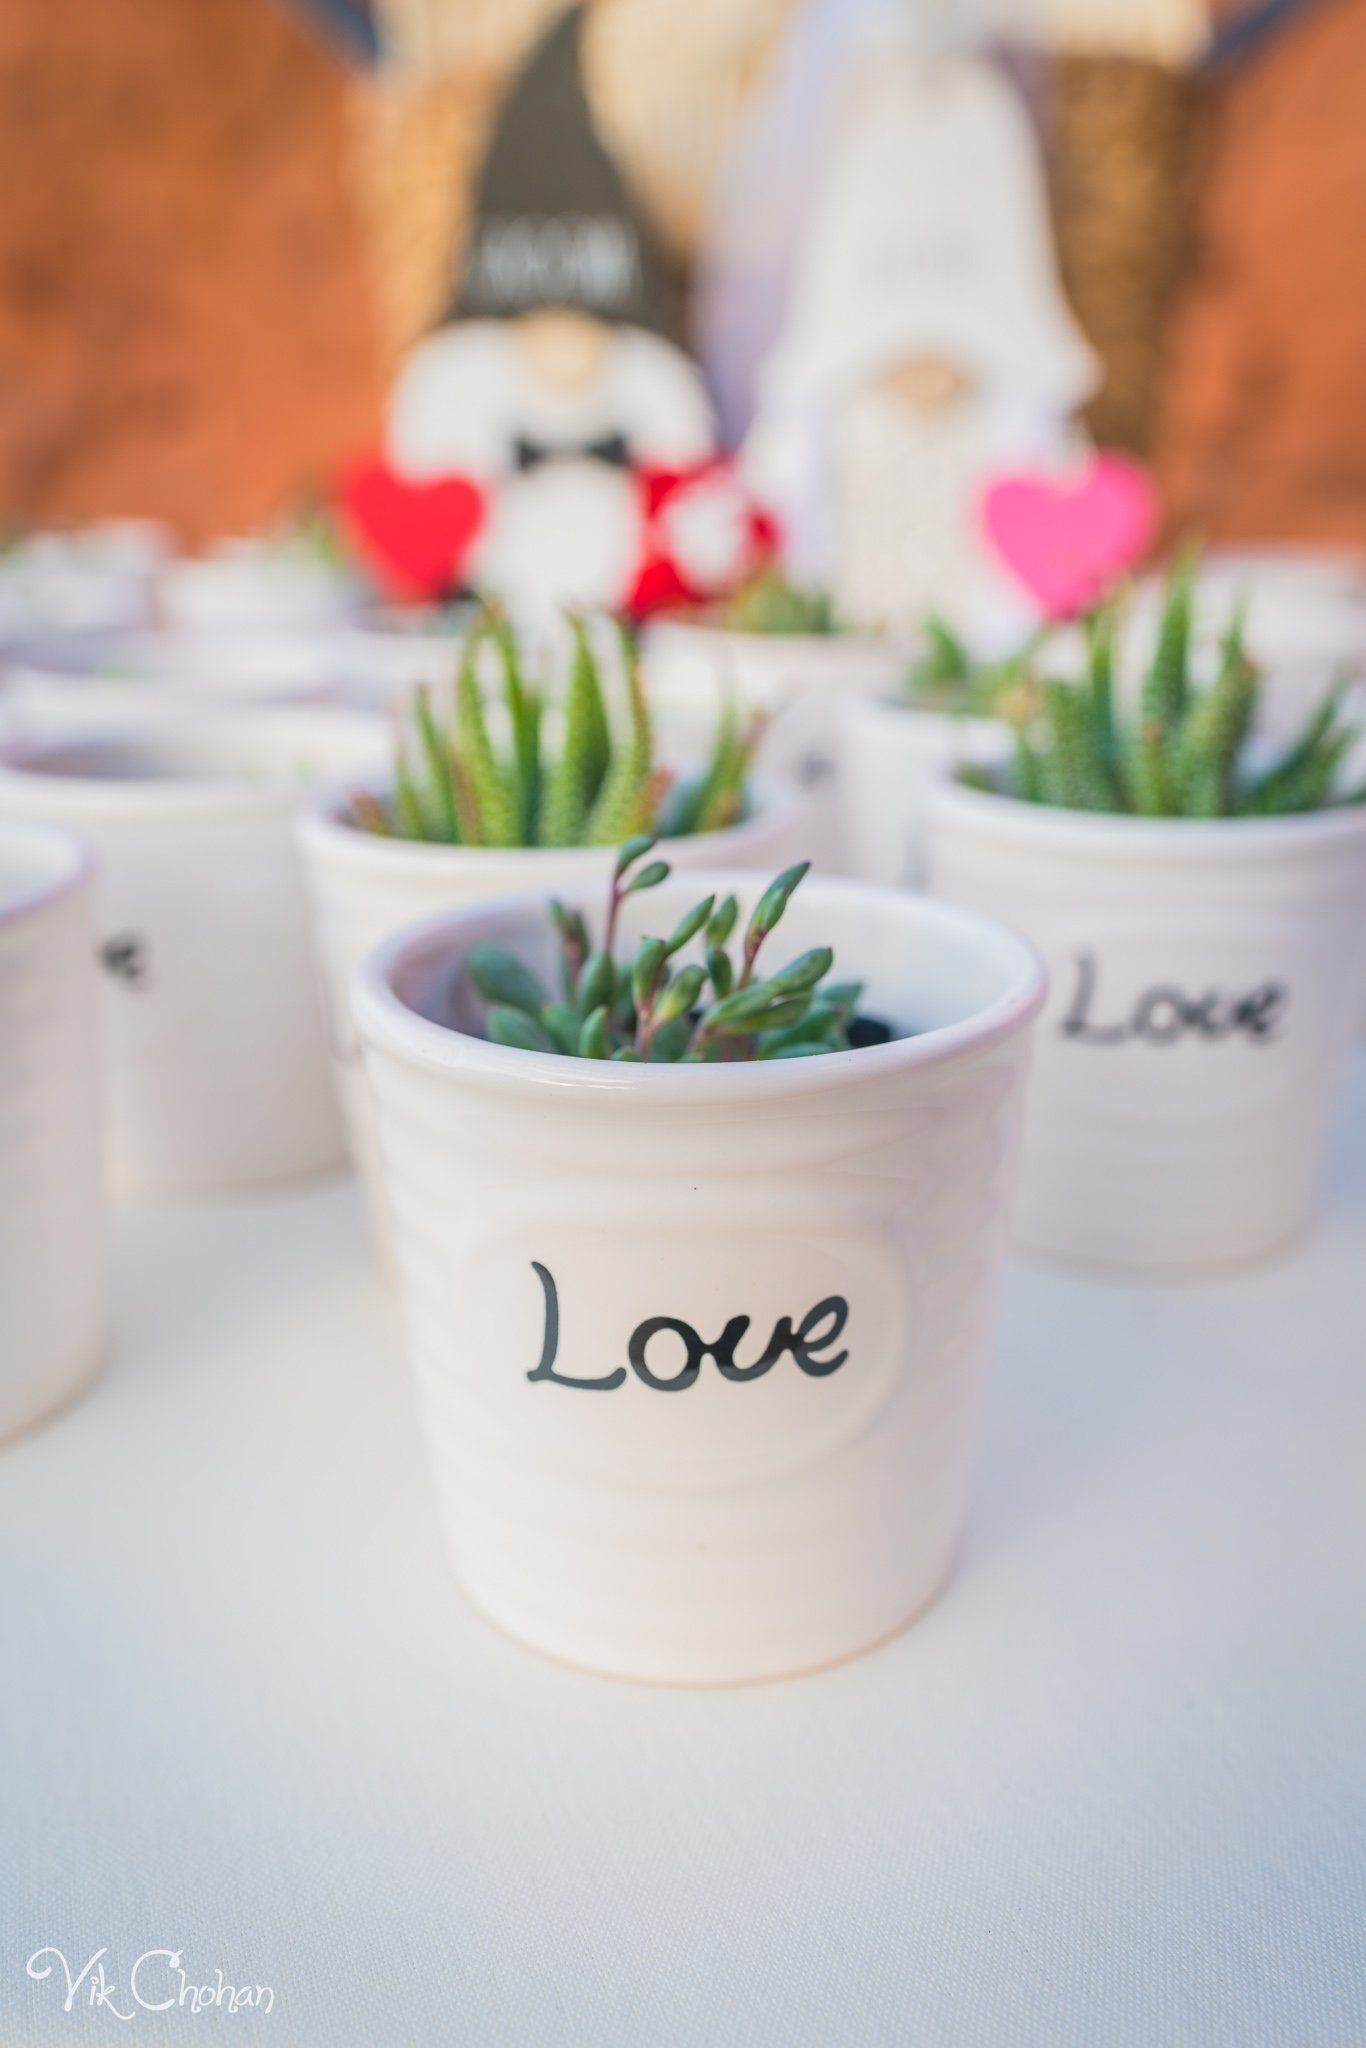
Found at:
(217, 1076)
(894, 756)
(1206, 985)
(803, 684)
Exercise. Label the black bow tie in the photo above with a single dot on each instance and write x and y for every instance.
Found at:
(608, 448)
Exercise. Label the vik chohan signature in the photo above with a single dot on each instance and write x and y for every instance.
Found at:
(157, 1982)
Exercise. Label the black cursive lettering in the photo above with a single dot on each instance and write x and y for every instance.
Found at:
(1166, 1014)
(820, 1328)
(545, 1370)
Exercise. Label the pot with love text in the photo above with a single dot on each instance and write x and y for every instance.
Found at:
(216, 1075)
(698, 1346)
(1205, 987)
(51, 1210)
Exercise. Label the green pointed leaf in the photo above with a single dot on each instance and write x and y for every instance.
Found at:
(648, 877)
(646, 967)
(513, 1027)
(491, 786)
(630, 851)
(593, 1042)
(441, 809)
(562, 1024)
(721, 923)
(682, 995)
(688, 927)
(501, 978)
(803, 972)
(774, 901)
(596, 982)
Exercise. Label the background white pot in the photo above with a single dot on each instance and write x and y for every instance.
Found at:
(384, 657)
(802, 681)
(103, 680)
(715, 1529)
(249, 586)
(1205, 990)
(363, 888)
(51, 1221)
(893, 755)
(217, 1069)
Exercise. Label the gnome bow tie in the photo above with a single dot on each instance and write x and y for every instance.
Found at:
(609, 448)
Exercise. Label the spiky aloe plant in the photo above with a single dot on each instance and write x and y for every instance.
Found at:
(453, 784)
(653, 1007)
(1183, 753)
(768, 603)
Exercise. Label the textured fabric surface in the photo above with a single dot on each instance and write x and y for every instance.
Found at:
(1110, 1790)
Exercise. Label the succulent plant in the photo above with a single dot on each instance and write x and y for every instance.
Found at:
(768, 603)
(453, 784)
(1183, 755)
(945, 676)
(655, 1007)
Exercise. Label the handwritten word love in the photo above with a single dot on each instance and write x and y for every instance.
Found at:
(809, 1345)
(1165, 1014)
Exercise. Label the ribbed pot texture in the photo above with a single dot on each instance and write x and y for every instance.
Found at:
(51, 1215)
(1205, 991)
(699, 1349)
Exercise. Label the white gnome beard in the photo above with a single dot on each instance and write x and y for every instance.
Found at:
(564, 533)
(908, 487)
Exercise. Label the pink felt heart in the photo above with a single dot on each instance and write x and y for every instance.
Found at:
(1068, 539)
(415, 536)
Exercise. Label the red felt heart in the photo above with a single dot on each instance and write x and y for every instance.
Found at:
(1068, 539)
(415, 537)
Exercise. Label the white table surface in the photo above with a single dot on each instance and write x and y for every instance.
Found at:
(1110, 1791)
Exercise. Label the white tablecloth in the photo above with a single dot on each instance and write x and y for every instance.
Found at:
(1110, 1791)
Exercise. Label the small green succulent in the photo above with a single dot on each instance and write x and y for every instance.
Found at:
(768, 603)
(452, 784)
(1183, 755)
(945, 676)
(652, 1007)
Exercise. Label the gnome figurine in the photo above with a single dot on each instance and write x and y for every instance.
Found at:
(551, 443)
(926, 348)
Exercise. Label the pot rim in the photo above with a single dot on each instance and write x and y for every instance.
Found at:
(322, 831)
(1011, 818)
(878, 710)
(74, 871)
(215, 726)
(384, 1018)
(844, 641)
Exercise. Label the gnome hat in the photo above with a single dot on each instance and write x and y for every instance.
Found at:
(931, 237)
(554, 224)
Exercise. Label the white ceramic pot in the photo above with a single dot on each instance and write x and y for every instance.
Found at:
(1205, 989)
(801, 682)
(91, 580)
(107, 680)
(384, 659)
(216, 1053)
(248, 587)
(597, 1258)
(51, 1221)
(893, 756)
(363, 888)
